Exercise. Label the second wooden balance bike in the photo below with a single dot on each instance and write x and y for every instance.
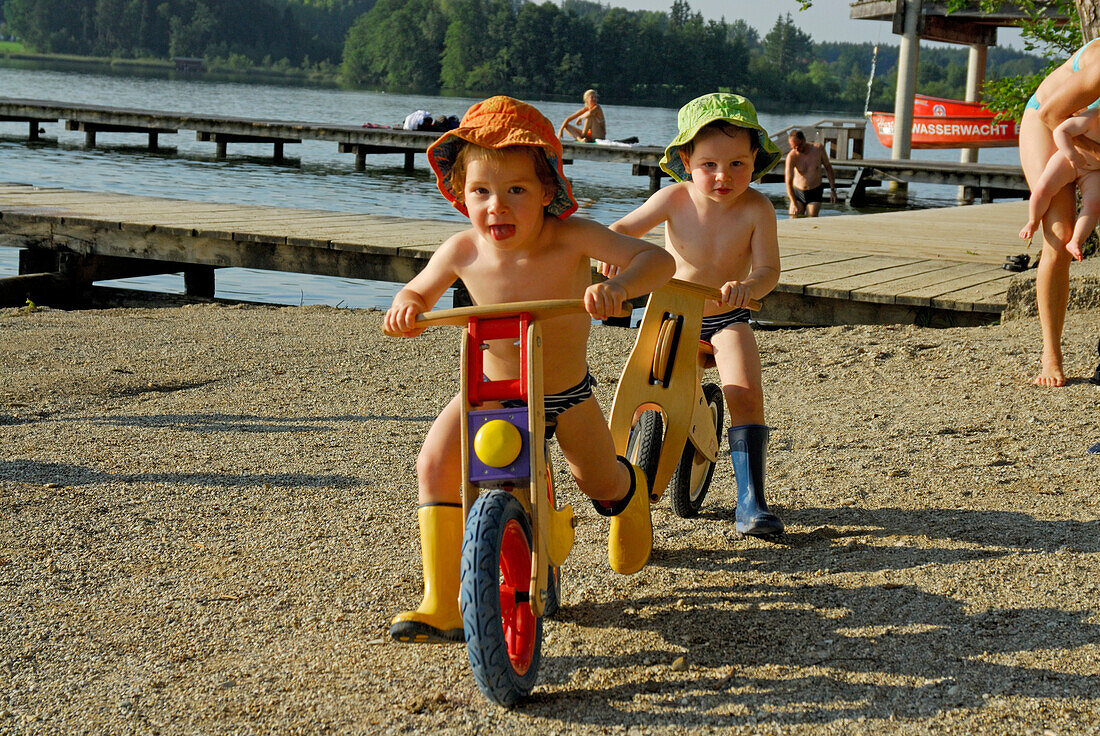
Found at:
(664, 419)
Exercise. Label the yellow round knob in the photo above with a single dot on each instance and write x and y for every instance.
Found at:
(497, 443)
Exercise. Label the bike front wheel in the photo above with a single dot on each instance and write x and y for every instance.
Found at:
(644, 446)
(503, 636)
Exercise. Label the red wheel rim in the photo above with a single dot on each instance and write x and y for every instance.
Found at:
(515, 607)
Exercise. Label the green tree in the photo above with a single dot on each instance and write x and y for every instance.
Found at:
(396, 45)
(787, 46)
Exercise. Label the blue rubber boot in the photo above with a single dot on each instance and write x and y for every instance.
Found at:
(749, 451)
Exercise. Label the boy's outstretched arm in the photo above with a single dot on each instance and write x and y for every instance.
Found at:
(639, 222)
(641, 268)
(423, 291)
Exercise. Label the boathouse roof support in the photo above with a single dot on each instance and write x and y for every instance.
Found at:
(907, 83)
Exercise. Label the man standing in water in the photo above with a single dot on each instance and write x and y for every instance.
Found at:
(803, 175)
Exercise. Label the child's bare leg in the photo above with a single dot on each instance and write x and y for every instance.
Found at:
(1089, 186)
(438, 618)
(617, 488)
(1057, 174)
(738, 361)
(439, 464)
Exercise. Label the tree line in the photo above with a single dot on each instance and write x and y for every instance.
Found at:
(290, 30)
(527, 49)
(502, 46)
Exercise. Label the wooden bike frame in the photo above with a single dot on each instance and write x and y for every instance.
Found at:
(663, 373)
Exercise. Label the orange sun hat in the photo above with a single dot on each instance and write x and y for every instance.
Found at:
(499, 122)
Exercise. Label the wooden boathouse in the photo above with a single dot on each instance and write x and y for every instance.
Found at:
(939, 267)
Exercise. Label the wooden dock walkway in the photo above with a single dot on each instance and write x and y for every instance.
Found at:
(939, 266)
(989, 179)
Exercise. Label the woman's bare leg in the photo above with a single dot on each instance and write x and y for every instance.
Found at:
(1052, 279)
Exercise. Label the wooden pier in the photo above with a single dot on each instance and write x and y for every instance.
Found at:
(939, 266)
(855, 172)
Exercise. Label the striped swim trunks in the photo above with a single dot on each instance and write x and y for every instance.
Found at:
(717, 322)
(556, 404)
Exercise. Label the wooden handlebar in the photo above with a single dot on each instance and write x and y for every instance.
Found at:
(458, 317)
(706, 292)
(544, 309)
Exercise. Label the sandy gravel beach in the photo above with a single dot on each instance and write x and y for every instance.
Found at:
(207, 518)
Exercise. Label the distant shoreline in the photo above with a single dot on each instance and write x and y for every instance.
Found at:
(216, 69)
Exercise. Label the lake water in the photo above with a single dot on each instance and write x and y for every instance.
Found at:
(318, 176)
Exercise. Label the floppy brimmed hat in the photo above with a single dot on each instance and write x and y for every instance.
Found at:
(499, 122)
(707, 109)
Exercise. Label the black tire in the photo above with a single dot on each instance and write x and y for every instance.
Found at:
(691, 479)
(498, 535)
(644, 447)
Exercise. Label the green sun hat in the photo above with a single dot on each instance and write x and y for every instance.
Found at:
(707, 109)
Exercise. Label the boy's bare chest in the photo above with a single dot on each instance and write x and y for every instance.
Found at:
(727, 234)
(543, 276)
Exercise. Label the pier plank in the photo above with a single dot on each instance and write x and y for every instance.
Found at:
(842, 288)
(905, 259)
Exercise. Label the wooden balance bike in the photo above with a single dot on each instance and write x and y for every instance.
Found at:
(664, 419)
(515, 536)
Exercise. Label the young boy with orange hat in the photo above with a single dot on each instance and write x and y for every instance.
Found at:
(502, 168)
(723, 234)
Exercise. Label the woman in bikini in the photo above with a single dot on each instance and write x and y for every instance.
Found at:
(1070, 88)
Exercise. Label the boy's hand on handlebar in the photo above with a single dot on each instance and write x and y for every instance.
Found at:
(401, 317)
(604, 299)
(736, 295)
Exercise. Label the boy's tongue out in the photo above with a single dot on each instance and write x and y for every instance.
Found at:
(502, 232)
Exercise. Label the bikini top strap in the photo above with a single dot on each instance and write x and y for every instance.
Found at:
(1077, 56)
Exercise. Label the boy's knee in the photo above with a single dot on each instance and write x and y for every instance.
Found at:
(743, 398)
(431, 465)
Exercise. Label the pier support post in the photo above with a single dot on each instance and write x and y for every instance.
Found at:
(221, 146)
(89, 137)
(907, 86)
(278, 152)
(199, 281)
(360, 158)
(975, 76)
(409, 160)
(33, 134)
(154, 139)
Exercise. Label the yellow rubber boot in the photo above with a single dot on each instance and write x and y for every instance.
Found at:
(438, 618)
(631, 538)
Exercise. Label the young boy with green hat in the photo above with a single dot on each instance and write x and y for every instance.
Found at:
(502, 168)
(722, 234)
